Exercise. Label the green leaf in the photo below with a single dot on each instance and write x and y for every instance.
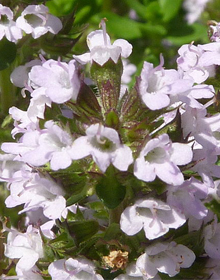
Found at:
(100, 212)
(7, 53)
(109, 189)
(169, 9)
(82, 230)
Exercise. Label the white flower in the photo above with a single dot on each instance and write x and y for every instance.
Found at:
(101, 49)
(38, 147)
(19, 76)
(59, 79)
(7, 25)
(154, 216)
(27, 247)
(188, 198)
(160, 157)
(194, 8)
(73, 269)
(134, 273)
(35, 192)
(32, 274)
(103, 144)
(166, 258)
(36, 20)
(189, 63)
(211, 237)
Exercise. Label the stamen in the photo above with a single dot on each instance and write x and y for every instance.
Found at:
(210, 102)
(98, 136)
(103, 25)
(42, 58)
(160, 66)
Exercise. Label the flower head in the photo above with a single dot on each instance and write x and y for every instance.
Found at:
(7, 25)
(36, 20)
(160, 157)
(189, 62)
(157, 85)
(59, 79)
(166, 258)
(78, 269)
(104, 145)
(154, 216)
(101, 49)
(27, 247)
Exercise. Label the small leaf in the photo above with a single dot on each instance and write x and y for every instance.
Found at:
(82, 230)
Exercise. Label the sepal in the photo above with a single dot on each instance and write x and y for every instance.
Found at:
(108, 80)
(86, 109)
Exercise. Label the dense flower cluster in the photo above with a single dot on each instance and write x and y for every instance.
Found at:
(115, 183)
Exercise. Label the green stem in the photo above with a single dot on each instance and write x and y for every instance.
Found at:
(7, 91)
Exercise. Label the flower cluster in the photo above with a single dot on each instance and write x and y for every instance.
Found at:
(34, 20)
(114, 183)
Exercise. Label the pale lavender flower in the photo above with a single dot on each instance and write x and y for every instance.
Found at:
(27, 247)
(105, 147)
(212, 268)
(134, 273)
(36, 192)
(166, 258)
(37, 105)
(128, 70)
(8, 166)
(214, 193)
(188, 197)
(101, 49)
(195, 123)
(160, 157)
(215, 31)
(36, 217)
(194, 9)
(154, 216)
(36, 20)
(33, 274)
(29, 120)
(38, 147)
(78, 269)
(196, 225)
(60, 80)
(211, 235)
(22, 122)
(211, 55)
(19, 76)
(205, 165)
(157, 85)
(189, 62)
(8, 27)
